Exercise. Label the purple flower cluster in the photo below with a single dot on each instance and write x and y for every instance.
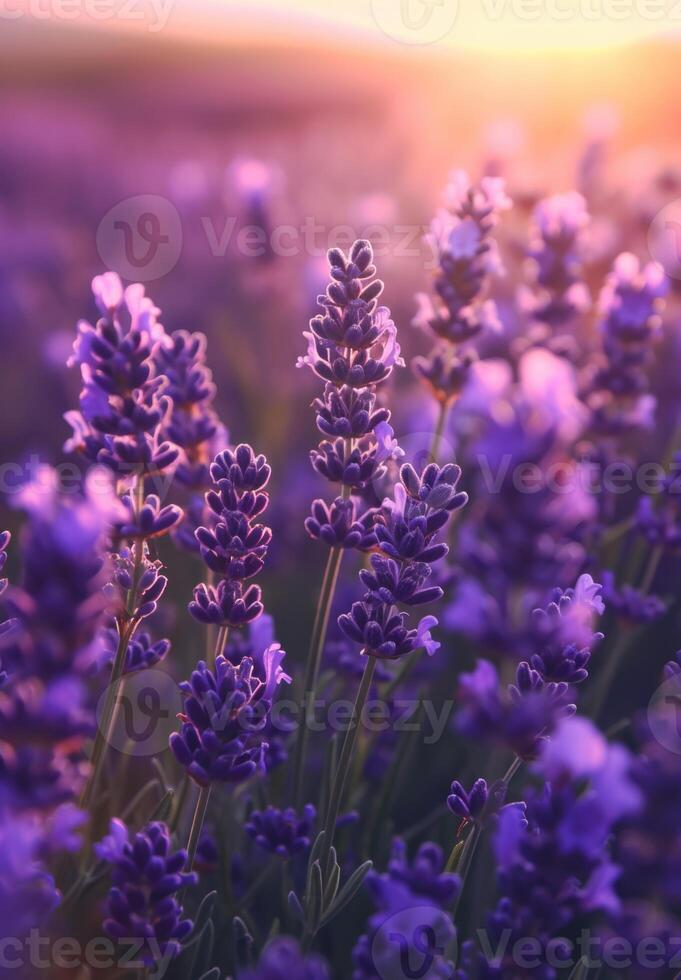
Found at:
(142, 903)
(522, 715)
(557, 254)
(630, 306)
(233, 546)
(461, 238)
(282, 832)
(124, 406)
(225, 712)
(552, 860)
(352, 347)
(412, 898)
(407, 532)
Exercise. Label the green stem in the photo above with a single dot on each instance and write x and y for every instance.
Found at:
(345, 759)
(220, 644)
(197, 825)
(113, 691)
(314, 658)
(439, 430)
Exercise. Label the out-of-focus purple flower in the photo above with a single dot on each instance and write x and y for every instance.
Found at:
(557, 252)
(630, 305)
(629, 603)
(519, 717)
(282, 959)
(461, 238)
(412, 897)
(281, 832)
(146, 877)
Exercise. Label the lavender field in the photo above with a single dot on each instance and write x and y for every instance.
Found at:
(341, 478)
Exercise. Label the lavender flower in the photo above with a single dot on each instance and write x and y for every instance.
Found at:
(142, 902)
(461, 238)
(123, 403)
(630, 305)
(281, 832)
(233, 546)
(224, 715)
(412, 897)
(557, 253)
(282, 959)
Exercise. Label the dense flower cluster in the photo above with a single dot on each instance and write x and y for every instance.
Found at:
(407, 530)
(233, 546)
(225, 712)
(146, 878)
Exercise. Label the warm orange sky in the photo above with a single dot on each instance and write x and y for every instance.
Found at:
(490, 24)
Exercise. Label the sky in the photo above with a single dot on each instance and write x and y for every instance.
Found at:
(502, 25)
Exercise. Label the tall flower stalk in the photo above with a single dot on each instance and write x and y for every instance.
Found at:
(352, 347)
(460, 309)
(226, 708)
(124, 407)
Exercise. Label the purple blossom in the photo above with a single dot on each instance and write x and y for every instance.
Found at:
(224, 715)
(281, 832)
(146, 877)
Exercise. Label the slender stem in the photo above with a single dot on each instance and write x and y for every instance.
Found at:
(345, 759)
(126, 631)
(314, 658)
(651, 569)
(107, 718)
(197, 825)
(443, 412)
(220, 644)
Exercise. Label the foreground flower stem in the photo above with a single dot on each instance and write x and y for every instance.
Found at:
(463, 865)
(314, 658)
(345, 760)
(220, 645)
(113, 691)
(443, 412)
(197, 825)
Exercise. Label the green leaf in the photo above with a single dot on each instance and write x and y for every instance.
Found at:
(295, 907)
(348, 891)
(313, 900)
